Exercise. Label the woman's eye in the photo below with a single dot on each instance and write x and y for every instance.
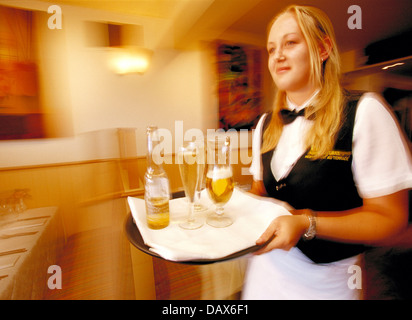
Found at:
(271, 50)
(289, 43)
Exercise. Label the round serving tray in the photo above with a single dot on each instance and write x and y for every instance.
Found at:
(136, 239)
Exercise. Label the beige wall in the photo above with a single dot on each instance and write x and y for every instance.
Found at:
(81, 94)
(86, 103)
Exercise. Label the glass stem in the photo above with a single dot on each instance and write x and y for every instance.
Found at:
(219, 211)
(191, 211)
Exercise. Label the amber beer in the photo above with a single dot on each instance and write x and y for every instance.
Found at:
(157, 210)
(219, 184)
(157, 187)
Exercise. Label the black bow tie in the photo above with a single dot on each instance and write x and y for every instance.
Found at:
(288, 116)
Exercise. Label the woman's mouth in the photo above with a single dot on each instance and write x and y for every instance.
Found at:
(281, 70)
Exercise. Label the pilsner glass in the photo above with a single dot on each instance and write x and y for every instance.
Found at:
(189, 157)
(219, 180)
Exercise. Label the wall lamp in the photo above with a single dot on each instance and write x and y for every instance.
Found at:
(127, 52)
(129, 60)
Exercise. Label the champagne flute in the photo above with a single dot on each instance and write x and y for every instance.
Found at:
(219, 181)
(189, 155)
(199, 207)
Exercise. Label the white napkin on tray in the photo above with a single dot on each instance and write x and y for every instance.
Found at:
(251, 215)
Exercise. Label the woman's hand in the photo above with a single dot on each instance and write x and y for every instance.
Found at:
(283, 232)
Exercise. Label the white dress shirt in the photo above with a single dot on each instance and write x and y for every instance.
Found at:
(382, 162)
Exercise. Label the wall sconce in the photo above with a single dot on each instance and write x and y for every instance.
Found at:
(129, 60)
(127, 52)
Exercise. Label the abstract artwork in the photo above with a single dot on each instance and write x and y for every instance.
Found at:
(20, 111)
(239, 85)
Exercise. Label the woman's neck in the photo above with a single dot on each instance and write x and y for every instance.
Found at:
(300, 97)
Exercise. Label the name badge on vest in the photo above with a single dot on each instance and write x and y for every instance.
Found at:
(331, 155)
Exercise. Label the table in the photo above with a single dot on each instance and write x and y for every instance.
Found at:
(29, 244)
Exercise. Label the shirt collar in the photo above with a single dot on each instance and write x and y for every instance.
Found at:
(293, 106)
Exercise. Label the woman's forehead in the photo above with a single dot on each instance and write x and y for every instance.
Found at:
(283, 25)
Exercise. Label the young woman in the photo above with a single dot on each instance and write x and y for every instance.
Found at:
(340, 161)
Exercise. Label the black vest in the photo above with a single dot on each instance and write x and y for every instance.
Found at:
(321, 185)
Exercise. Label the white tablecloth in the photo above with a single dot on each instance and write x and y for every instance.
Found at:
(29, 245)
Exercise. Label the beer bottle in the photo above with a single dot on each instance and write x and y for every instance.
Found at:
(157, 187)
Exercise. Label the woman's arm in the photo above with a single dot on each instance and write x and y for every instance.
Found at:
(377, 221)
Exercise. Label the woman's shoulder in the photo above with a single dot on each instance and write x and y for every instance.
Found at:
(368, 104)
(364, 98)
(359, 95)
(372, 104)
(375, 116)
(373, 99)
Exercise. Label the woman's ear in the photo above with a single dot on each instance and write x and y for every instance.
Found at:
(325, 48)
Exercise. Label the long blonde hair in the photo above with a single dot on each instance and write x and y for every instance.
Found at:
(326, 111)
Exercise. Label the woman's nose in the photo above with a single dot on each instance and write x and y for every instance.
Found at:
(279, 55)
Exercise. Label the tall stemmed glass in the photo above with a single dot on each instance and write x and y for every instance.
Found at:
(219, 180)
(189, 156)
(199, 207)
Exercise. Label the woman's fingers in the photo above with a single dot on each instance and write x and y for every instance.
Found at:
(282, 233)
(269, 233)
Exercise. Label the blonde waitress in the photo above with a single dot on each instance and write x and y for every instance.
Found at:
(340, 160)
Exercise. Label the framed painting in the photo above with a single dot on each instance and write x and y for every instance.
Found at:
(239, 73)
(20, 111)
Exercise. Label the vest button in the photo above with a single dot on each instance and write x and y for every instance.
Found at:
(280, 186)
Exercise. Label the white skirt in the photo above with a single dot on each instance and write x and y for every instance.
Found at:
(290, 275)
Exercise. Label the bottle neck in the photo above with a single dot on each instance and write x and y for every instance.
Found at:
(154, 161)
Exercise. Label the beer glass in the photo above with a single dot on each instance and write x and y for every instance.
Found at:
(190, 156)
(219, 180)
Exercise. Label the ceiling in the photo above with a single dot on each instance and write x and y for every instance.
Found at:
(209, 19)
(149, 8)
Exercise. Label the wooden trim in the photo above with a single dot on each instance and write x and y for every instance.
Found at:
(59, 164)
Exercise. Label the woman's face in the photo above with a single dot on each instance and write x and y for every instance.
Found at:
(289, 59)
